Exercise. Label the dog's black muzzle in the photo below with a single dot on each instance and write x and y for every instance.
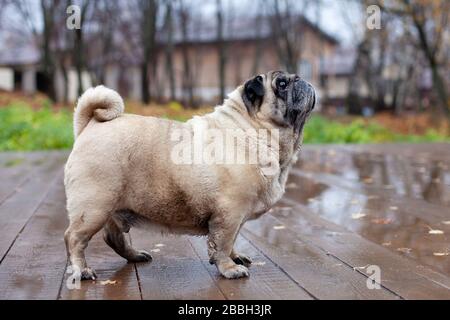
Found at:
(300, 102)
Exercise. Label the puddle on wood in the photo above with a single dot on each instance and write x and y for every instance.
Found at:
(391, 200)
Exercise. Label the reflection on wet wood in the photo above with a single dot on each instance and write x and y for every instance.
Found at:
(345, 208)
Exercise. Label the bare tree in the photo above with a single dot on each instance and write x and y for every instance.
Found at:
(148, 10)
(221, 47)
(286, 23)
(429, 18)
(48, 61)
(169, 48)
(78, 48)
(187, 78)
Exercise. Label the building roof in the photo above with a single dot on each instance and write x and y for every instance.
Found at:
(245, 28)
(12, 54)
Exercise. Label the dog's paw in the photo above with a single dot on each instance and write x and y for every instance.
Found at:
(141, 256)
(88, 274)
(242, 259)
(235, 271)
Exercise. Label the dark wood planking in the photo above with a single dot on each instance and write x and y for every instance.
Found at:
(176, 272)
(108, 266)
(34, 267)
(266, 281)
(322, 275)
(401, 275)
(15, 169)
(16, 210)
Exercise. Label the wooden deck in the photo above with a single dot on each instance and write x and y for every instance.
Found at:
(346, 208)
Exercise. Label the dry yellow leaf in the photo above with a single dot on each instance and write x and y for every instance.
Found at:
(107, 282)
(381, 221)
(435, 231)
(358, 215)
(368, 180)
(291, 185)
(441, 254)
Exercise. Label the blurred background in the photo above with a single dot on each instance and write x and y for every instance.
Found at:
(381, 69)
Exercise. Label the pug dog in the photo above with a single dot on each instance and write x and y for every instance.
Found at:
(121, 172)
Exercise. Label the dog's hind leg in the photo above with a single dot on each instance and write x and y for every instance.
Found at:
(115, 238)
(83, 226)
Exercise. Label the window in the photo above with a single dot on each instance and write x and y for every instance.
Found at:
(305, 69)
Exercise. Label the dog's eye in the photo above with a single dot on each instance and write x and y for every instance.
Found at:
(282, 84)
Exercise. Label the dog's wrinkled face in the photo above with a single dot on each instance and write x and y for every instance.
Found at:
(280, 98)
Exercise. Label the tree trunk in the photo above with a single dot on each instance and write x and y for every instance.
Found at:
(145, 82)
(48, 60)
(169, 51)
(221, 53)
(78, 57)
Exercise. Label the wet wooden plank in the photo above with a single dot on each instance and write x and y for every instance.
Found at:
(108, 266)
(17, 209)
(176, 272)
(16, 168)
(403, 276)
(34, 267)
(430, 212)
(266, 281)
(433, 151)
(322, 275)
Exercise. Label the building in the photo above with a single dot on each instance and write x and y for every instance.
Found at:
(249, 50)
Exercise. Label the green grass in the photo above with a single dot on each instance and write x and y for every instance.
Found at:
(24, 129)
(320, 130)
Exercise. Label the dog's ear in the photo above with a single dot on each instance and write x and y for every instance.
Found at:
(253, 94)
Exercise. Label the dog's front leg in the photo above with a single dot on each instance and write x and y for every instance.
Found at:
(221, 237)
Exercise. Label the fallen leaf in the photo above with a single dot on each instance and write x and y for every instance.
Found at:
(358, 215)
(386, 244)
(381, 221)
(404, 250)
(368, 180)
(155, 250)
(158, 245)
(422, 170)
(107, 282)
(363, 267)
(291, 185)
(441, 254)
(435, 231)
(393, 208)
(279, 227)
(258, 263)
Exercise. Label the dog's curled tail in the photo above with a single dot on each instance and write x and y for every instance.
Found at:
(101, 103)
